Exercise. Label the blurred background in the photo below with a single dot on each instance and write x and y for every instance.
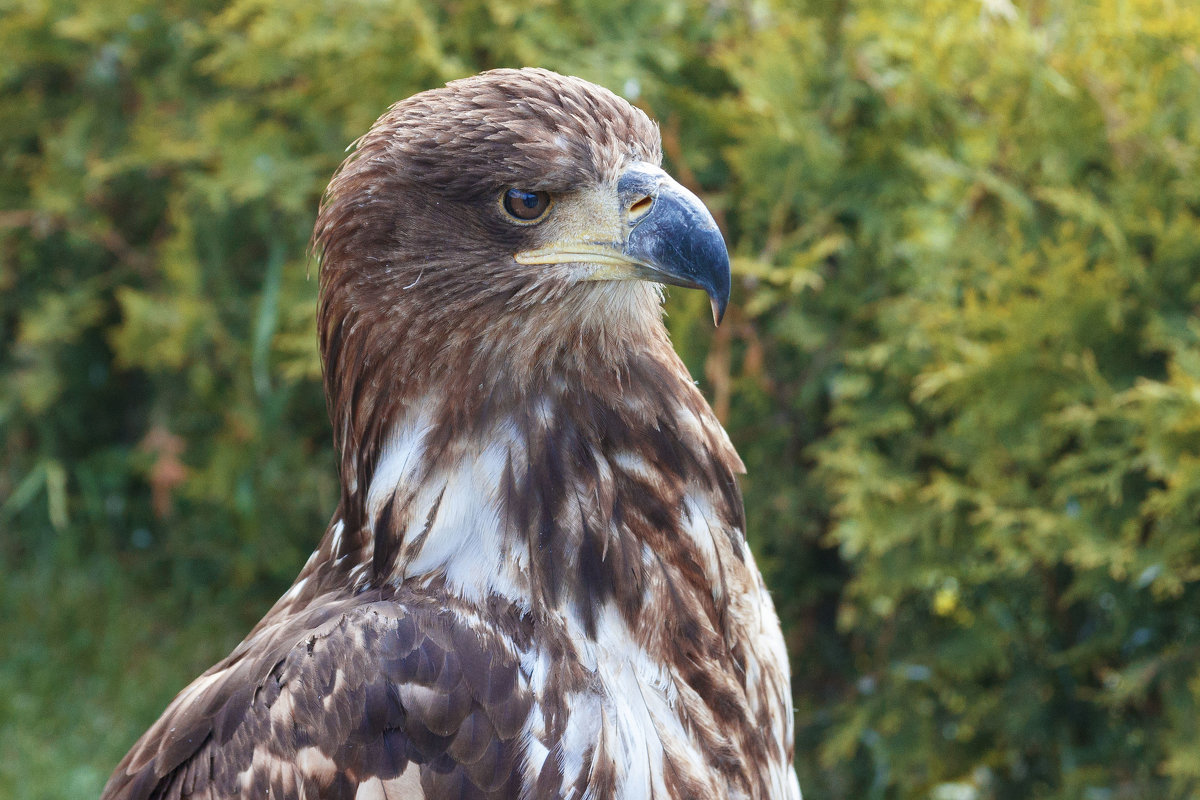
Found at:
(962, 360)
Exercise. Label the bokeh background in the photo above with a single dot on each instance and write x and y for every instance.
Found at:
(962, 360)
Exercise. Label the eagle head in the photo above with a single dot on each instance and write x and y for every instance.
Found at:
(496, 233)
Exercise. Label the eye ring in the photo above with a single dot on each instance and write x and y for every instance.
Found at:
(525, 208)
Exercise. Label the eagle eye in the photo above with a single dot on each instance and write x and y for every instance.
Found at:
(525, 207)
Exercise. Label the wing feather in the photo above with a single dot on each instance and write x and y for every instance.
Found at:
(371, 698)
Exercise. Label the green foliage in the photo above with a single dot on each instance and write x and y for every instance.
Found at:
(962, 365)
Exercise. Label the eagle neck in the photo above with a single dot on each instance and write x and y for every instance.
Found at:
(562, 496)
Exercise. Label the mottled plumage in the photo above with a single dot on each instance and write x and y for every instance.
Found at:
(536, 583)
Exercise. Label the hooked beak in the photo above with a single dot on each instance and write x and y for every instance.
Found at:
(672, 238)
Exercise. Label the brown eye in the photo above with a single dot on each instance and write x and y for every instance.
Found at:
(526, 206)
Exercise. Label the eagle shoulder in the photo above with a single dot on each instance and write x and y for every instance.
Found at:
(371, 697)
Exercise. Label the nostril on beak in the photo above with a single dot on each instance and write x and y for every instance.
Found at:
(640, 208)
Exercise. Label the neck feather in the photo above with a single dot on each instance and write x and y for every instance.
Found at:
(559, 492)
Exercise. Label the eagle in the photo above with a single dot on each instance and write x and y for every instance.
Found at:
(536, 583)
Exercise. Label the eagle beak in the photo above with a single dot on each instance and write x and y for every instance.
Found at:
(676, 241)
(668, 236)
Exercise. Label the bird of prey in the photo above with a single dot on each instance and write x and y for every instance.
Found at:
(536, 583)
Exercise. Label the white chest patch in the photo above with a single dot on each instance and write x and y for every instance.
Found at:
(455, 529)
(627, 719)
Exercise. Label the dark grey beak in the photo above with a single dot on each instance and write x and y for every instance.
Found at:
(677, 241)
